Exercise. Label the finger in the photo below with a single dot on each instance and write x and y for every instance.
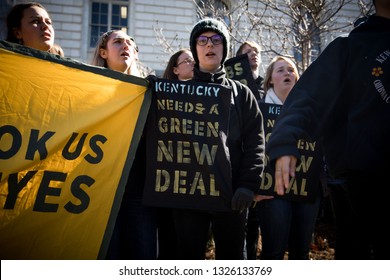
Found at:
(293, 164)
(285, 166)
(286, 177)
(259, 197)
(279, 181)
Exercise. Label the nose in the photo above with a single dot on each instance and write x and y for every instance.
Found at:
(209, 42)
(255, 53)
(45, 25)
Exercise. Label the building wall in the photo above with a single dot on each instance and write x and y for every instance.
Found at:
(173, 18)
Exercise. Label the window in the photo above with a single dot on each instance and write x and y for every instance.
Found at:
(107, 16)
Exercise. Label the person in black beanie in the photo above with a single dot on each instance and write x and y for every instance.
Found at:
(209, 43)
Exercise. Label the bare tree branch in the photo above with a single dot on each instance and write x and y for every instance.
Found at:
(299, 29)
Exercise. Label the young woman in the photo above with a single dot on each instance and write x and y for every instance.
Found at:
(117, 51)
(135, 232)
(285, 225)
(180, 66)
(29, 24)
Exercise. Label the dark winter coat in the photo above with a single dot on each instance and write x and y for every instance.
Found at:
(246, 132)
(344, 97)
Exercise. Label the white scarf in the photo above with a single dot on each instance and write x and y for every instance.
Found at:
(272, 98)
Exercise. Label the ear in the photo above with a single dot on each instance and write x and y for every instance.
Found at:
(175, 71)
(17, 33)
(103, 53)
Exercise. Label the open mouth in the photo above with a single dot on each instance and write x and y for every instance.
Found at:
(46, 35)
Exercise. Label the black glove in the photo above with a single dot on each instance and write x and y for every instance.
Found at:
(242, 199)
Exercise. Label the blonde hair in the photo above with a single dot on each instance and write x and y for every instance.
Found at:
(249, 43)
(268, 75)
(97, 60)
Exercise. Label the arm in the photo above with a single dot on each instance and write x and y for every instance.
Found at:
(251, 148)
(310, 110)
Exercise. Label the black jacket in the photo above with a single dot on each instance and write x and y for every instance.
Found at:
(344, 97)
(246, 133)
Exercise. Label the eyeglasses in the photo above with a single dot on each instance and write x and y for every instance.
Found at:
(215, 39)
(188, 60)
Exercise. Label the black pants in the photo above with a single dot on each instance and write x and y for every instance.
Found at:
(252, 232)
(361, 213)
(192, 229)
(167, 241)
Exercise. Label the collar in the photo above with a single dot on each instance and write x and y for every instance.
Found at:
(272, 98)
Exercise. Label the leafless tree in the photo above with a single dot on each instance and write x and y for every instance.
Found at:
(299, 29)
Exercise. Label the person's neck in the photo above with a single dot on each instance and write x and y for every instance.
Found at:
(133, 70)
(255, 74)
(282, 94)
(210, 70)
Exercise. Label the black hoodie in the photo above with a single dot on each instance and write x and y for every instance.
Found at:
(246, 132)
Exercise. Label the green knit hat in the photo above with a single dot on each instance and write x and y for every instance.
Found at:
(209, 24)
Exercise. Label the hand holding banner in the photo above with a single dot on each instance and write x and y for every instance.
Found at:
(68, 135)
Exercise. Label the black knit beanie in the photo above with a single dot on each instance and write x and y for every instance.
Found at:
(209, 24)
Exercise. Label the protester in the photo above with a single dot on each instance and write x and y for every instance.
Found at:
(281, 75)
(343, 97)
(209, 43)
(135, 232)
(285, 224)
(180, 67)
(29, 24)
(117, 51)
(252, 229)
(253, 50)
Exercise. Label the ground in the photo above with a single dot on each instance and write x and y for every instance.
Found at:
(323, 244)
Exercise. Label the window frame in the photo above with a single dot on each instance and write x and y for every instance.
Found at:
(104, 27)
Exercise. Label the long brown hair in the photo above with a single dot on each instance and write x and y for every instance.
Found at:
(14, 19)
(168, 73)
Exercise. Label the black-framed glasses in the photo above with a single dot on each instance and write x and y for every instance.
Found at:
(188, 60)
(215, 39)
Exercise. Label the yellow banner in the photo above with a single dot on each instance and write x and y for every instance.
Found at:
(66, 149)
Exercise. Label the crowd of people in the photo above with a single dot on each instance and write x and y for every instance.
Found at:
(341, 101)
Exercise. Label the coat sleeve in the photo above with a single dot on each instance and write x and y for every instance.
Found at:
(312, 105)
(252, 138)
